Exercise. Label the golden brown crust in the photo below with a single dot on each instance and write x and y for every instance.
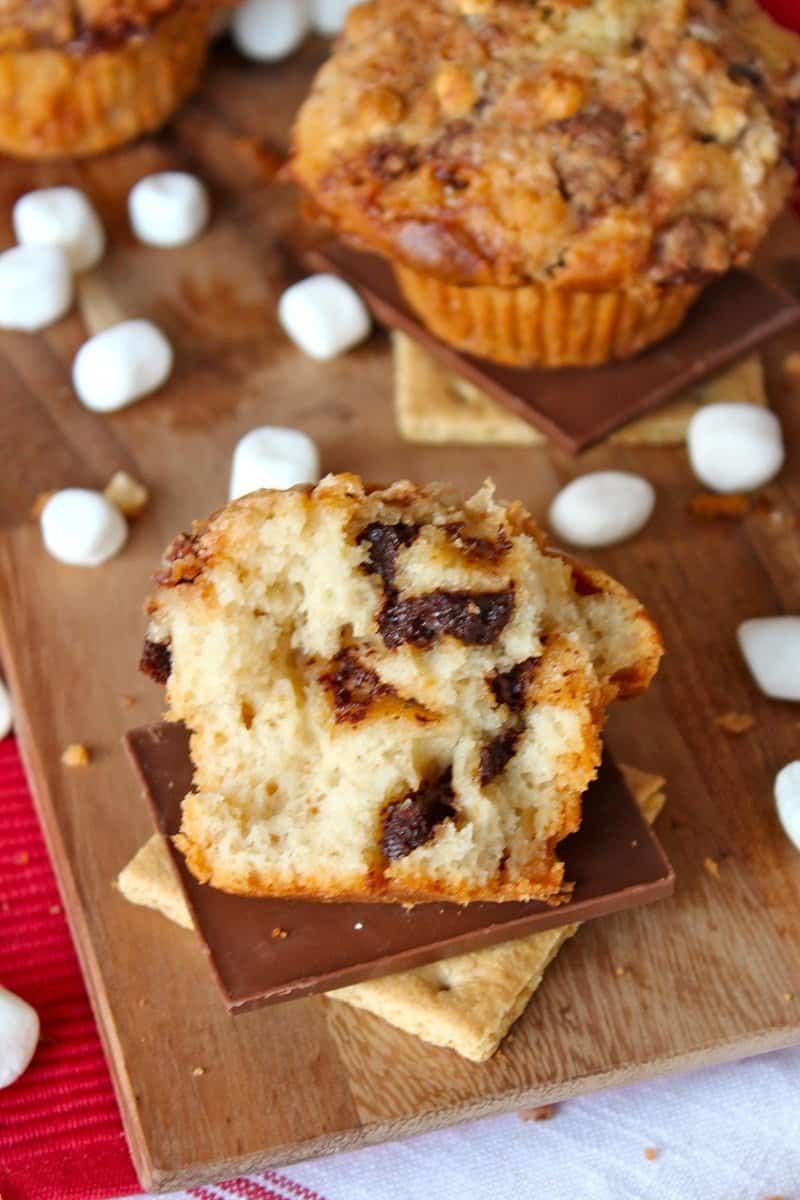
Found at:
(79, 25)
(82, 98)
(588, 145)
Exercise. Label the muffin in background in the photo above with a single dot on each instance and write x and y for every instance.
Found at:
(553, 184)
(81, 76)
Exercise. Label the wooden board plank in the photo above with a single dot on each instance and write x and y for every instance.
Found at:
(706, 975)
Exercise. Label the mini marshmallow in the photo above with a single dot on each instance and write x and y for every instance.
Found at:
(61, 216)
(328, 16)
(602, 508)
(771, 649)
(19, 1036)
(735, 447)
(36, 287)
(324, 316)
(121, 364)
(82, 528)
(6, 714)
(273, 457)
(787, 800)
(268, 30)
(170, 208)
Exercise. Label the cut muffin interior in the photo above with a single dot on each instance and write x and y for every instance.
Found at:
(393, 693)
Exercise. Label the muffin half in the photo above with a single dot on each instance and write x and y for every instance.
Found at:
(392, 694)
(78, 78)
(553, 183)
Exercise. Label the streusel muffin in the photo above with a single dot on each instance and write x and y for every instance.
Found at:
(553, 183)
(392, 694)
(81, 76)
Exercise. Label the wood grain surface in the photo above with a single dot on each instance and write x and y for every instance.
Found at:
(712, 974)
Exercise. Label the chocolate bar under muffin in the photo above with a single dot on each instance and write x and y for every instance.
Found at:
(553, 183)
(393, 693)
(81, 76)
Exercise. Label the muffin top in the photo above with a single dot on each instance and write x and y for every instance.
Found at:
(78, 24)
(591, 143)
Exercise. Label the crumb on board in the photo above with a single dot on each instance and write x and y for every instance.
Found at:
(651, 1153)
(279, 933)
(791, 366)
(709, 505)
(126, 494)
(711, 867)
(76, 755)
(39, 503)
(735, 722)
(198, 1071)
(542, 1112)
(259, 155)
(127, 701)
(788, 996)
(619, 971)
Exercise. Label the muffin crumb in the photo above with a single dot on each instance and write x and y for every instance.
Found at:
(126, 494)
(76, 755)
(711, 867)
(735, 722)
(542, 1112)
(710, 505)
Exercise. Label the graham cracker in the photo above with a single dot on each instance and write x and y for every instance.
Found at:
(150, 880)
(435, 407)
(467, 1003)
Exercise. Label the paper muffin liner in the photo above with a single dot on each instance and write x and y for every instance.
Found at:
(543, 325)
(74, 100)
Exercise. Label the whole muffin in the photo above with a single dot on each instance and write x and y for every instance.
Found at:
(553, 183)
(393, 693)
(81, 76)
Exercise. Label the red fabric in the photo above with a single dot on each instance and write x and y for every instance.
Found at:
(785, 11)
(60, 1130)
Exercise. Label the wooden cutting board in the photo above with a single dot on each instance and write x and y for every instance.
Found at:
(712, 974)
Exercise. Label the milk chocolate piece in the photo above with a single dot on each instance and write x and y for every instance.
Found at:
(578, 406)
(614, 861)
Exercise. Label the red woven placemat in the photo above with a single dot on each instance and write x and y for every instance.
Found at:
(60, 1130)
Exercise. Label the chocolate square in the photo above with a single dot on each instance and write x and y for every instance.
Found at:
(615, 862)
(578, 406)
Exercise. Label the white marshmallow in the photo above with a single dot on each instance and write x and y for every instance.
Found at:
(324, 316)
(735, 447)
(6, 713)
(787, 800)
(82, 528)
(169, 208)
(268, 30)
(36, 287)
(771, 649)
(273, 457)
(602, 508)
(121, 364)
(61, 216)
(328, 16)
(19, 1036)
